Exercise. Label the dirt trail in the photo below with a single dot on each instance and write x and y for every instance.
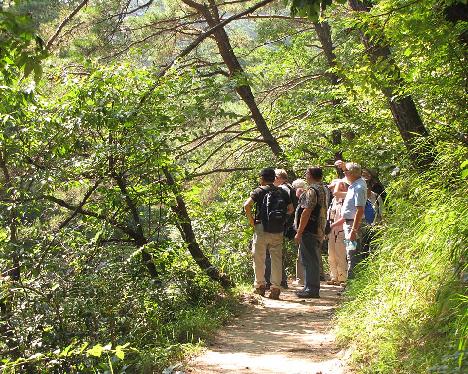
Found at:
(291, 335)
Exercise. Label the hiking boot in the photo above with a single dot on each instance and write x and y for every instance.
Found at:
(305, 294)
(332, 282)
(274, 294)
(260, 290)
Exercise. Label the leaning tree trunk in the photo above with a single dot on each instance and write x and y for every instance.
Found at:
(137, 233)
(186, 230)
(323, 32)
(211, 16)
(404, 111)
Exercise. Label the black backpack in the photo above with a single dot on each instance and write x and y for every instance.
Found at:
(273, 210)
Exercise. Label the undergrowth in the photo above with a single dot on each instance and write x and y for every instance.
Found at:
(118, 321)
(407, 310)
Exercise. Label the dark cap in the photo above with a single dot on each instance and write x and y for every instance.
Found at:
(268, 173)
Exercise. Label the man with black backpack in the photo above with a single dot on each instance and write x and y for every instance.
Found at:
(281, 181)
(310, 220)
(272, 205)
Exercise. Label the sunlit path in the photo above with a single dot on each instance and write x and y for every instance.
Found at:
(287, 336)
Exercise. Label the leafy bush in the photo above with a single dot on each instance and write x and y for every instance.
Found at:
(104, 297)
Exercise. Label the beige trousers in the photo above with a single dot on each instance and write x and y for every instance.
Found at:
(274, 243)
(337, 256)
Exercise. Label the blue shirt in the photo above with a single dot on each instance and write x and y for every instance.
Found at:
(356, 196)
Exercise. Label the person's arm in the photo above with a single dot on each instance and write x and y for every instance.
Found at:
(337, 223)
(356, 223)
(248, 211)
(302, 224)
(339, 194)
(309, 205)
(290, 209)
(338, 191)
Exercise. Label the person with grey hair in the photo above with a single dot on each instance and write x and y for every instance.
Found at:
(336, 248)
(353, 211)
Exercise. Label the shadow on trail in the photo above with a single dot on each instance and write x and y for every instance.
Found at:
(291, 321)
(291, 335)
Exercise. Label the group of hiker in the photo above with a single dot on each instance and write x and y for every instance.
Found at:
(312, 213)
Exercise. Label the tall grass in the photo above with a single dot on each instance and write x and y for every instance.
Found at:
(406, 312)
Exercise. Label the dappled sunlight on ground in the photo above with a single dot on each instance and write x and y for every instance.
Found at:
(290, 336)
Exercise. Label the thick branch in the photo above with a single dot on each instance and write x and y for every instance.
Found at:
(89, 213)
(199, 39)
(224, 170)
(64, 23)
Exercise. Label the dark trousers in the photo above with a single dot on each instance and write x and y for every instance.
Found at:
(353, 255)
(310, 256)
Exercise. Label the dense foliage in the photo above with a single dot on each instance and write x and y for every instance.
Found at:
(130, 139)
(409, 300)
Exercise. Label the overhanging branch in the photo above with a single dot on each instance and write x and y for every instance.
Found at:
(64, 23)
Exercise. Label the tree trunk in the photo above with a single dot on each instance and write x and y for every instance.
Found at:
(136, 234)
(14, 272)
(211, 16)
(188, 235)
(403, 108)
(323, 31)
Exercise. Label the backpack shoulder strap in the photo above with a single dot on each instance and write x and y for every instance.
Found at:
(316, 192)
(258, 204)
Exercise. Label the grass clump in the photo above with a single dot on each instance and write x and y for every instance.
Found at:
(406, 311)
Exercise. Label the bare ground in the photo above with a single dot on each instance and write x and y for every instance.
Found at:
(291, 335)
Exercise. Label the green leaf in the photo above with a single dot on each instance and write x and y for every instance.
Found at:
(95, 351)
(28, 68)
(119, 352)
(37, 71)
(83, 347)
(66, 351)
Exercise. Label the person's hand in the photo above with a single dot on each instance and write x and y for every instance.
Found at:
(340, 164)
(252, 222)
(353, 236)
(298, 238)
